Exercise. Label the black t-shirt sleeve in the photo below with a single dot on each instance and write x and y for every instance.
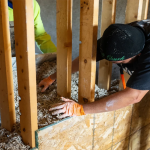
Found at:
(98, 56)
(140, 79)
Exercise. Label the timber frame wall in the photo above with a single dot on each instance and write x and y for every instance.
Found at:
(25, 54)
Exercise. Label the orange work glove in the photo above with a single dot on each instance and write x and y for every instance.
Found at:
(46, 82)
(68, 108)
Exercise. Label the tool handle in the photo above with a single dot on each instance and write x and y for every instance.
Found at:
(122, 78)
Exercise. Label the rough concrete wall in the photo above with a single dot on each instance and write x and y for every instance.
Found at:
(48, 14)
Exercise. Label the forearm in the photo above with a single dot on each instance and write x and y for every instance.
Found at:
(111, 103)
(75, 68)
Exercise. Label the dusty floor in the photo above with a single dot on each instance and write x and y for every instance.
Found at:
(12, 141)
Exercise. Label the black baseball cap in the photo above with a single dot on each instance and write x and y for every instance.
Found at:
(121, 41)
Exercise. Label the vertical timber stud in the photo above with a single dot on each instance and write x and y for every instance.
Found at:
(87, 54)
(105, 67)
(133, 10)
(25, 54)
(7, 106)
(64, 47)
(145, 9)
(133, 13)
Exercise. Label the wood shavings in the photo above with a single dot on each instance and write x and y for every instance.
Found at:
(44, 102)
(12, 140)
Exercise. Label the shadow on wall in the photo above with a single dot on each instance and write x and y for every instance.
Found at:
(139, 135)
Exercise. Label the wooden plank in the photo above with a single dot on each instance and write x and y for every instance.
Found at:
(105, 67)
(7, 106)
(25, 55)
(133, 13)
(145, 9)
(140, 140)
(87, 53)
(73, 133)
(64, 47)
(133, 10)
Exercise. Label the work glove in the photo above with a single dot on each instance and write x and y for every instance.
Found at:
(46, 83)
(68, 108)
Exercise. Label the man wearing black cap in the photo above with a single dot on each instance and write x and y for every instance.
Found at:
(129, 47)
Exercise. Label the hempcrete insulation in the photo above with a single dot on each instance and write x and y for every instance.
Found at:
(12, 141)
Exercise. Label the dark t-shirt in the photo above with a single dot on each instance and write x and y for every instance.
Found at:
(139, 69)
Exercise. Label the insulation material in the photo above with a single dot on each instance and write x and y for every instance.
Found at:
(45, 101)
(12, 140)
(49, 98)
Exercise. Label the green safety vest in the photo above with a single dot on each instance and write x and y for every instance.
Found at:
(43, 40)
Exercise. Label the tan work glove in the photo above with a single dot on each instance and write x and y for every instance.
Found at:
(46, 83)
(68, 108)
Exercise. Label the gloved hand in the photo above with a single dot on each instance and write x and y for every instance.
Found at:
(46, 82)
(68, 108)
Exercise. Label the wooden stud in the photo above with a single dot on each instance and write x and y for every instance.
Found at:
(87, 53)
(133, 10)
(108, 18)
(25, 55)
(64, 47)
(133, 13)
(7, 106)
(145, 9)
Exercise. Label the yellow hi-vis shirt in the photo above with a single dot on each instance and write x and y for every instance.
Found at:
(43, 40)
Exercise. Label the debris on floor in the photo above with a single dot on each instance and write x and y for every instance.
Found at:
(12, 141)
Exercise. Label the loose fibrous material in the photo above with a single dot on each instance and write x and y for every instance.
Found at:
(12, 141)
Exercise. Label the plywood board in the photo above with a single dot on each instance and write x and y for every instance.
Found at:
(123, 145)
(108, 18)
(122, 124)
(87, 53)
(7, 106)
(140, 140)
(103, 132)
(64, 47)
(141, 113)
(26, 69)
(69, 134)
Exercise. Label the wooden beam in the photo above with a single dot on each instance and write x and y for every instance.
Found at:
(145, 9)
(64, 47)
(87, 54)
(133, 13)
(133, 10)
(108, 18)
(7, 106)
(25, 55)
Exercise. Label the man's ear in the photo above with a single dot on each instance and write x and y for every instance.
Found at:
(139, 54)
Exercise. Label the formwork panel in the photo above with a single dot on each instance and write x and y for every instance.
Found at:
(69, 134)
